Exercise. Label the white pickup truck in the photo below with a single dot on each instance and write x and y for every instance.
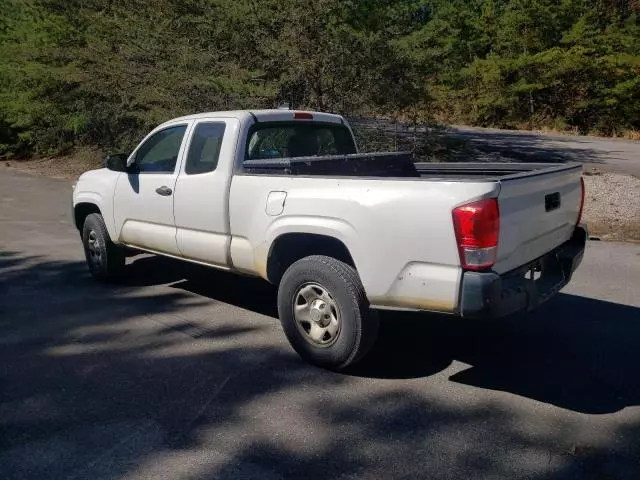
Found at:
(285, 195)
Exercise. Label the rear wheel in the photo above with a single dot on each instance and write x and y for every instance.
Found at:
(325, 313)
(104, 259)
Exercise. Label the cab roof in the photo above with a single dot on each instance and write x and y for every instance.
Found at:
(272, 115)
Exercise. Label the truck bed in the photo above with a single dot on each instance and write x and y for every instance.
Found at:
(489, 171)
(539, 202)
(394, 165)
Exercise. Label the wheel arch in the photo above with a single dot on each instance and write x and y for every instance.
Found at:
(290, 247)
(82, 210)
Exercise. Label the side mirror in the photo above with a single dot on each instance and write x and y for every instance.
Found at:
(116, 162)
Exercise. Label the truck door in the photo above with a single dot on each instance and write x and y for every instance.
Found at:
(202, 189)
(143, 201)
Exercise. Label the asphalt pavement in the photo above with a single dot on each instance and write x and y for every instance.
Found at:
(617, 155)
(184, 373)
(477, 144)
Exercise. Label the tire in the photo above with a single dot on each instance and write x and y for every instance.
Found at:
(105, 259)
(305, 287)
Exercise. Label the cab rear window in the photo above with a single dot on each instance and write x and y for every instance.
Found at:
(284, 140)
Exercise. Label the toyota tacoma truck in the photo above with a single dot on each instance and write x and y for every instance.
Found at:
(286, 196)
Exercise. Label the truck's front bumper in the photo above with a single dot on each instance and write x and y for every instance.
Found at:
(490, 295)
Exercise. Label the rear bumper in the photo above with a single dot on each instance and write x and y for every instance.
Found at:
(490, 295)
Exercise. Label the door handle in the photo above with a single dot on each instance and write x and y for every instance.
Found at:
(164, 191)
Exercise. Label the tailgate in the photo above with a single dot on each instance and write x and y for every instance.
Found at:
(538, 212)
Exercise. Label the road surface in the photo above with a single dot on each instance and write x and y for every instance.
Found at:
(616, 155)
(185, 373)
(472, 144)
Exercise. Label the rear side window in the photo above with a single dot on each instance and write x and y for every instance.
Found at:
(298, 140)
(204, 150)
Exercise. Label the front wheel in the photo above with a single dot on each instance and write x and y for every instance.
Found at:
(325, 313)
(104, 259)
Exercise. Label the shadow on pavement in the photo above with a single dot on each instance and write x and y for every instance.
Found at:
(451, 144)
(577, 353)
(248, 293)
(92, 387)
(574, 352)
(521, 147)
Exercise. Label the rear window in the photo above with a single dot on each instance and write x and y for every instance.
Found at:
(298, 140)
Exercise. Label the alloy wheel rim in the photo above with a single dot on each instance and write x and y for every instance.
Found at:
(95, 253)
(316, 315)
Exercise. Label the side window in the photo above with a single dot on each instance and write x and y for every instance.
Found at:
(159, 153)
(205, 148)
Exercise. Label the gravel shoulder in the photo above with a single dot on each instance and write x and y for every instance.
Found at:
(612, 205)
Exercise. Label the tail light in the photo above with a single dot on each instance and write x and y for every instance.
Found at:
(303, 116)
(477, 228)
(581, 200)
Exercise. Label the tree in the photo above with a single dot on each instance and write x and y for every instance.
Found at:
(101, 72)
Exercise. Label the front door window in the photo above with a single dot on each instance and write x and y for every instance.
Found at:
(159, 153)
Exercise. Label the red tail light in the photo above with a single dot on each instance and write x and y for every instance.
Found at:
(303, 116)
(581, 200)
(477, 227)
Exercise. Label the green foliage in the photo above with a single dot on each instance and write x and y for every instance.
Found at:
(570, 64)
(101, 72)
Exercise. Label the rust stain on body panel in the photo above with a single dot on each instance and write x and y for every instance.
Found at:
(260, 254)
(414, 303)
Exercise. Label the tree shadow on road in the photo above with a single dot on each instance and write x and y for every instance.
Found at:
(577, 353)
(444, 144)
(103, 382)
(495, 146)
(574, 352)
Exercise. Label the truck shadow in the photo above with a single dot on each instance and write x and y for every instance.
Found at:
(576, 353)
(94, 388)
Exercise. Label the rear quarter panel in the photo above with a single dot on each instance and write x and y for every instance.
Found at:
(399, 232)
